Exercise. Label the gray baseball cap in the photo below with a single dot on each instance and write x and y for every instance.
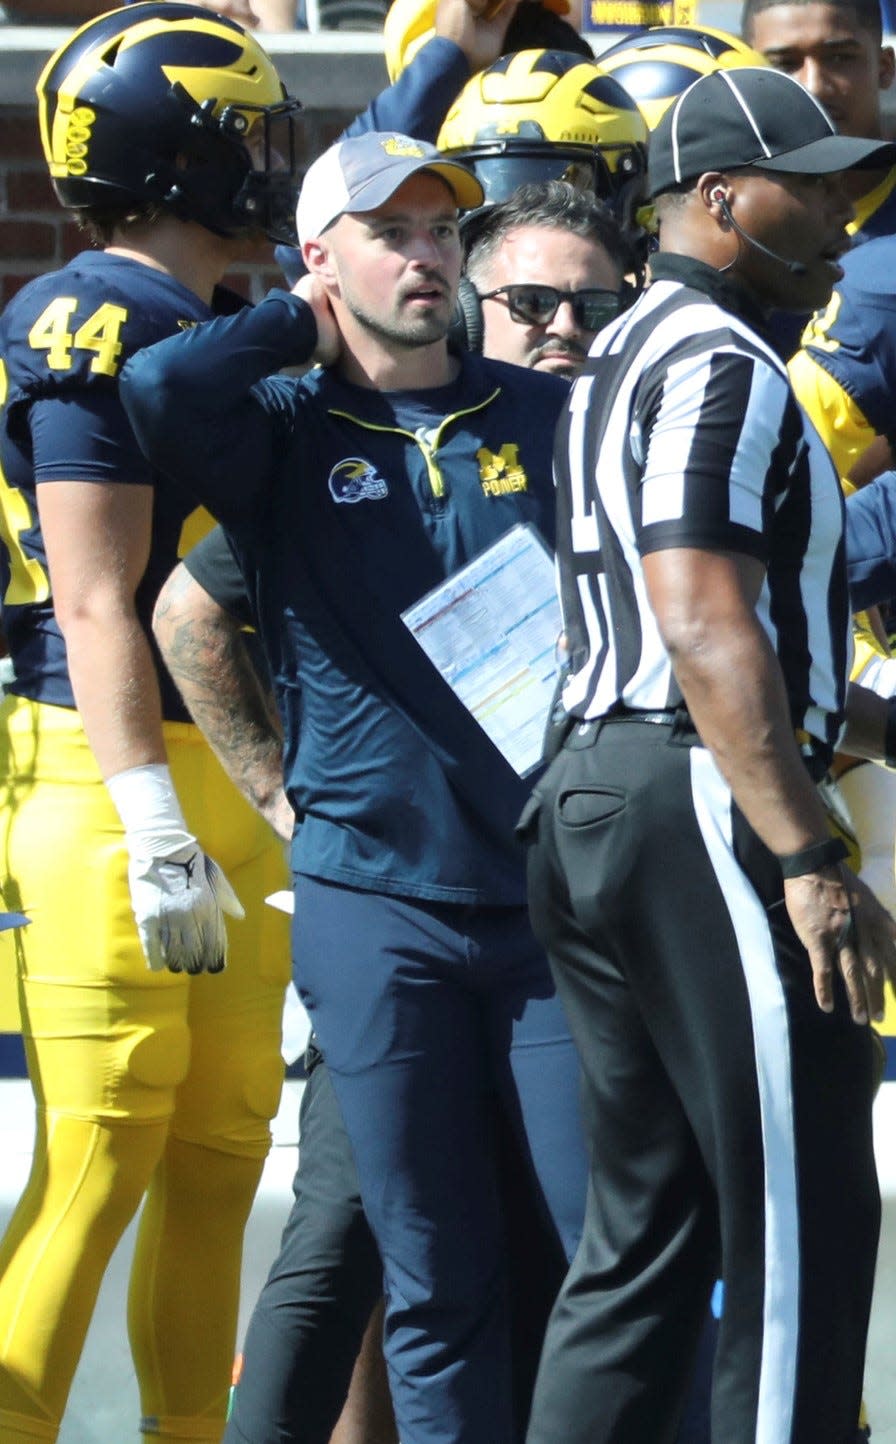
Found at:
(361, 173)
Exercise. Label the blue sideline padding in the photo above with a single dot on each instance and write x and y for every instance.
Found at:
(12, 1056)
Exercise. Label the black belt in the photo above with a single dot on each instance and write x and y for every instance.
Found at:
(583, 734)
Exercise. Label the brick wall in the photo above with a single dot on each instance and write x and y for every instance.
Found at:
(36, 235)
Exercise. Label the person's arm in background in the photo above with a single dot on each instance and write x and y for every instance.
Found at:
(418, 101)
(837, 416)
(52, 12)
(277, 16)
(204, 647)
(843, 376)
(465, 41)
(871, 542)
(254, 14)
(876, 457)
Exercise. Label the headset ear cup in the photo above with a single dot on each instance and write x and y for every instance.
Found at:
(467, 329)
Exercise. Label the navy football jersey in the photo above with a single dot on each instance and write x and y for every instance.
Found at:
(876, 211)
(63, 341)
(854, 338)
(875, 216)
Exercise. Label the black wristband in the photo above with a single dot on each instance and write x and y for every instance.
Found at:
(890, 734)
(811, 859)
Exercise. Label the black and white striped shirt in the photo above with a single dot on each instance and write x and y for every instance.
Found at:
(684, 432)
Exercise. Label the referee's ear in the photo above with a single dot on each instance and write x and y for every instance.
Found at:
(713, 188)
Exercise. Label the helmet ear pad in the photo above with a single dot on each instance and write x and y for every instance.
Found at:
(467, 330)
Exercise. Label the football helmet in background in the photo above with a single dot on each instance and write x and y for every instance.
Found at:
(168, 105)
(656, 65)
(550, 115)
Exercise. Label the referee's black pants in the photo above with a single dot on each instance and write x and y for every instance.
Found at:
(729, 1118)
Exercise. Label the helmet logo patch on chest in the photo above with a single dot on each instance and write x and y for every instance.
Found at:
(356, 480)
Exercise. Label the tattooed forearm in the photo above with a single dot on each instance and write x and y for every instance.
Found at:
(205, 651)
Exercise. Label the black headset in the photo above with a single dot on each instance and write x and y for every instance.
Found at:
(467, 329)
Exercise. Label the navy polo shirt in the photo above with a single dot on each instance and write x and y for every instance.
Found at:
(344, 506)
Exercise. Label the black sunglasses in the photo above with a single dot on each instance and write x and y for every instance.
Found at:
(538, 305)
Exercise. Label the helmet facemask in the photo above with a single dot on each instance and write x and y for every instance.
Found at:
(239, 170)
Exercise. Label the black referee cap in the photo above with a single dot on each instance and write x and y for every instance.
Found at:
(752, 116)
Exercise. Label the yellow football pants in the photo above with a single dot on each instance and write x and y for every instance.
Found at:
(148, 1086)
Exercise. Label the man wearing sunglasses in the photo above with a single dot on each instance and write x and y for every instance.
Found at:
(546, 271)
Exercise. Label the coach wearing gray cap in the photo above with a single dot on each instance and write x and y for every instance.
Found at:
(349, 494)
(718, 963)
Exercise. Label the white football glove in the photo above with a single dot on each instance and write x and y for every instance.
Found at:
(178, 894)
(179, 904)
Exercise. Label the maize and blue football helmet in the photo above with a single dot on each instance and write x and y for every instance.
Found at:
(167, 105)
(656, 65)
(539, 115)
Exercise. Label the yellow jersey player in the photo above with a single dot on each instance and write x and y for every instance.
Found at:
(168, 132)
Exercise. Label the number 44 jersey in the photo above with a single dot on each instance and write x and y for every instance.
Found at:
(63, 341)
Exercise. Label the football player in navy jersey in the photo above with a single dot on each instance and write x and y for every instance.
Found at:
(169, 132)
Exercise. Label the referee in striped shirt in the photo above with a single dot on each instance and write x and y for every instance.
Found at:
(718, 962)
